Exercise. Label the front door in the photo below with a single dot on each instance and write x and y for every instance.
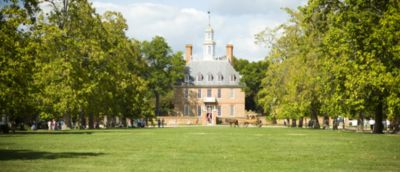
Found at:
(209, 115)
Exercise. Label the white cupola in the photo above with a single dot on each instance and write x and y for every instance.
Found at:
(209, 43)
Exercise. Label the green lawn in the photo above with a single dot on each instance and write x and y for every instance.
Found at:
(200, 149)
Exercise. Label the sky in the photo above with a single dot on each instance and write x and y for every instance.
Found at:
(183, 22)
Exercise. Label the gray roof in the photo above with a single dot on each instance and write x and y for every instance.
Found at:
(214, 72)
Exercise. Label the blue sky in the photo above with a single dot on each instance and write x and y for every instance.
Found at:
(183, 22)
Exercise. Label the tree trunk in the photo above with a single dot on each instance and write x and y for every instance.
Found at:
(91, 121)
(378, 127)
(294, 123)
(67, 120)
(274, 121)
(301, 122)
(157, 103)
(287, 122)
(82, 122)
(335, 123)
(314, 119)
(395, 125)
(360, 122)
(326, 122)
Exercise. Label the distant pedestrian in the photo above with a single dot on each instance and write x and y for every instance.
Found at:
(162, 122)
(53, 124)
(158, 122)
(372, 123)
(49, 125)
(33, 126)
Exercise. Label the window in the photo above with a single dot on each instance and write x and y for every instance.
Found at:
(210, 77)
(219, 92)
(198, 110)
(199, 93)
(185, 109)
(186, 93)
(209, 50)
(232, 112)
(209, 92)
(233, 77)
(232, 93)
(187, 78)
(219, 110)
(200, 77)
(220, 77)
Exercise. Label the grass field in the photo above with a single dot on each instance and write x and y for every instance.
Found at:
(200, 149)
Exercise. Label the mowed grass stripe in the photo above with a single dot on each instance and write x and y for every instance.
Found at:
(200, 149)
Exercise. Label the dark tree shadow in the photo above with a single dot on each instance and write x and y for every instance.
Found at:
(53, 132)
(6, 155)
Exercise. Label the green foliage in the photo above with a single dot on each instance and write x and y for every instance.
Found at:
(335, 58)
(75, 63)
(16, 62)
(251, 75)
(163, 68)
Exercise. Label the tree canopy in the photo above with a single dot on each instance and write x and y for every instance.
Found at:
(335, 58)
(76, 64)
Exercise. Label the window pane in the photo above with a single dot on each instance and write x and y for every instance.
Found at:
(186, 93)
(185, 109)
(198, 110)
(209, 92)
(232, 110)
(199, 93)
(219, 92)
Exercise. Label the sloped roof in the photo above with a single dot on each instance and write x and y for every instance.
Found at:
(216, 68)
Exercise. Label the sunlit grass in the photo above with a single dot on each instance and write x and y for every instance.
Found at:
(200, 149)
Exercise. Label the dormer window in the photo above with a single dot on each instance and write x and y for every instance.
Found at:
(200, 77)
(233, 77)
(210, 77)
(187, 78)
(220, 77)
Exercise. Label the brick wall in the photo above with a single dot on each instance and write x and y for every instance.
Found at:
(230, 97)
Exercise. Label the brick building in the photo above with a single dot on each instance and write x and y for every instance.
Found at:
(210, 89)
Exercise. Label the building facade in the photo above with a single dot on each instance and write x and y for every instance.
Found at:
(211, 88)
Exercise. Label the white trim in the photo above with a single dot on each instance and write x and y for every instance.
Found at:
(232, 110)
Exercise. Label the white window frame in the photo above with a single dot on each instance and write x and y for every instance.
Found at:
(210, 77)
(232, 93)
(200, 77)
(187, 78)
(199, 110)
(220, 77)
(209, 92)
(186, 93)
(186, 110)
(232, 110)
(199, 93)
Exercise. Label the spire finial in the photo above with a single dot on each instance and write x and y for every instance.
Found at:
(209, 18)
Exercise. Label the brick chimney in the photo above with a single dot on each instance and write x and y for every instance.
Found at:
(229, 52)
(188, 55)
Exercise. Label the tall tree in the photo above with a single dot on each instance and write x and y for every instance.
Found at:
(16, 61)
(251, 75)
(164, 68)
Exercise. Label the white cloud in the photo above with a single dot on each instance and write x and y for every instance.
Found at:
(234, 22)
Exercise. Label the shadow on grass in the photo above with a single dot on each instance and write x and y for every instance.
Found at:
(52, 132)
(6, 155)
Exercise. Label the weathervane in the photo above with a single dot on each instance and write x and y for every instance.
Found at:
(209, 18)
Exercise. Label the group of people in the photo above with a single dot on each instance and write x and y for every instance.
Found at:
(55, 125)
(209, 117)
